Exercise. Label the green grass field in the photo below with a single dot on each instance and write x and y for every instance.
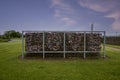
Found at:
(114, 46)
(13, 68)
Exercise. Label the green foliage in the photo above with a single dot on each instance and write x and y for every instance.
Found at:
(8, 35)
(13, 68)
(113, 40)
(12, 34)
(4, 40)
(4, 37)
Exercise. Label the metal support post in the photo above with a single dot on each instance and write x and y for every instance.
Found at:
(84, 45)
(22, 44)
(104, 53)
(43, 45)
(64, 45)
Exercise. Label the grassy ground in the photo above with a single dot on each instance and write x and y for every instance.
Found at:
(12, 68)
(114, 46)
(4, 40)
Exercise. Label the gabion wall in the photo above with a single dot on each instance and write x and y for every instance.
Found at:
(74, 42)
(93, 42)
(54, 41)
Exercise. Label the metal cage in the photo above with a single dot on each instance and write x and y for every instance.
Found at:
(64, 43)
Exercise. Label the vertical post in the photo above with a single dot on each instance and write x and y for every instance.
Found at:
(92, 28)
(104, 54)
(64, 45)
(116, 34)
(22, 44)
(84, 45)
(43, 45)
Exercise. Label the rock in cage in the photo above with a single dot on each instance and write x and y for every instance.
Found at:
(54, 41)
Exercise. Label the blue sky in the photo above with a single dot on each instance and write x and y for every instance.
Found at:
(66, 15)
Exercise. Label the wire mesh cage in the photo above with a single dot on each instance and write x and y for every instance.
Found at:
(63, 42)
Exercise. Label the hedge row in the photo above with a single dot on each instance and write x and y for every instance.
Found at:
(114, 40)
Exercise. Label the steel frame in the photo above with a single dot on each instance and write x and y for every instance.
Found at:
(64, 51)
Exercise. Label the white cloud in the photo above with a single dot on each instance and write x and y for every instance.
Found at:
(116, 17)
(98, 5)
(57, 13)
(68, 21)
(59, 4)
(94, 6)
(116, 25)
(65, 12)
(62, 10)
(109, 7)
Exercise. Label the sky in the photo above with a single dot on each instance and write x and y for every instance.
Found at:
(60, 15)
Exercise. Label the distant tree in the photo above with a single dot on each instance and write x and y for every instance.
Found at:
(12, 34)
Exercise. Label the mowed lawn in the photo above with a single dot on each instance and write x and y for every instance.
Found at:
(13, 68)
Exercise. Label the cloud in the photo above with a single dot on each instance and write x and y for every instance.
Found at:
(68, 21)
(98, 5)
(116, 25)
(66, 13)
(62, 11)
(116, 17)
(93, 6)
(109, 7)
(59, 4)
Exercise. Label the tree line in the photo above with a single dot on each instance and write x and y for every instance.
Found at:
(10, 34)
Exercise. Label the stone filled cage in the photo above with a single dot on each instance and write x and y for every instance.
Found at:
(63, 42)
